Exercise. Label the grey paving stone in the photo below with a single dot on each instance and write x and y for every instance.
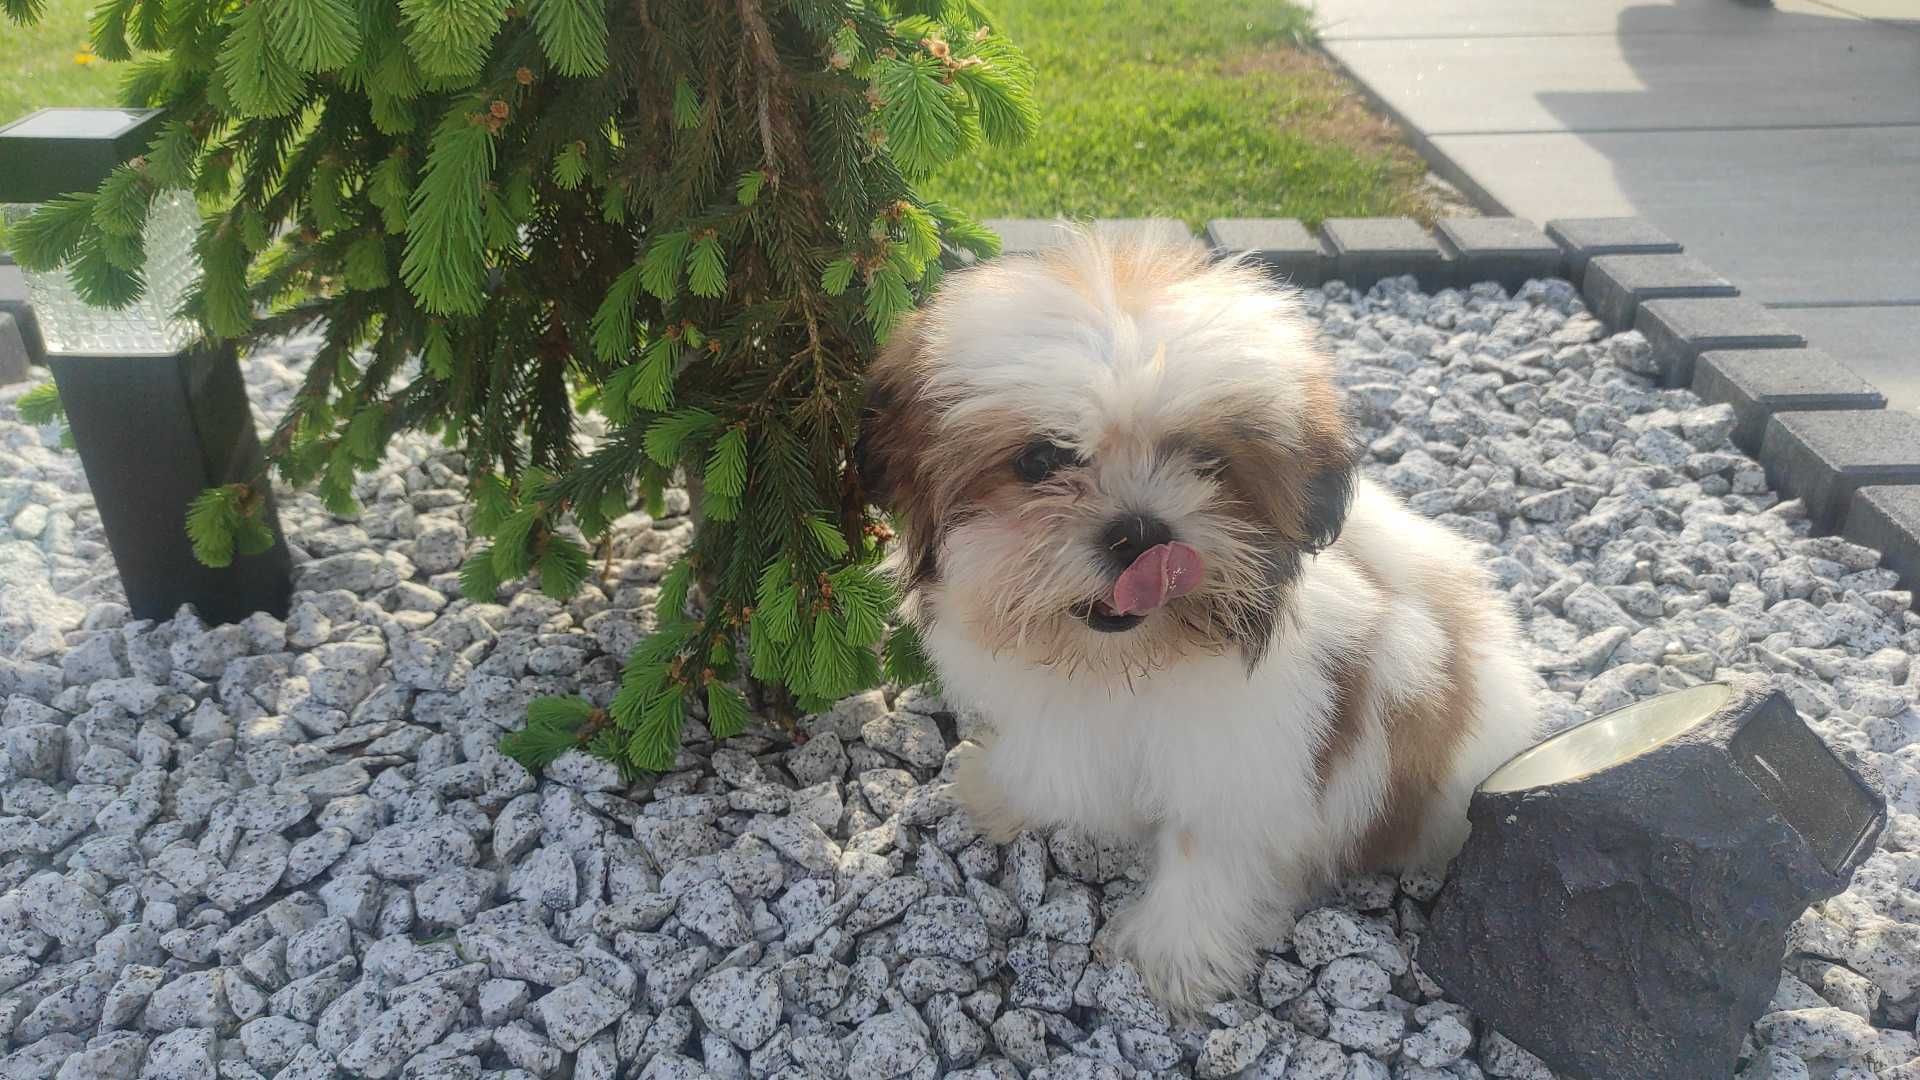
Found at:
(1616, 285)
(1503, 249)
(1822, 458)
(1681, 329)
(1637, 77)
(1878, 342)
(1347, 19)
(1761, 382)
(1282, 244)
(1887, 518)
(1368, 249)
(14, 356)
(1584, 238)
(1814, 215)
(1148, 230)
(1027, 235)
(13, 301)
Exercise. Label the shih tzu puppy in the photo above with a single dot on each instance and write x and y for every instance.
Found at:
(1133, 535)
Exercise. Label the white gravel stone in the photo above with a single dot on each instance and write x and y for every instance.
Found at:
(741, 1004)
(577, 1012)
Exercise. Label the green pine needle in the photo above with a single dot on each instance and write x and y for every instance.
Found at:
(259, 78)
(52, 234)
(570, 166)
(923, 130)
(449, 39)
(686, 105)
(887, 301)
(219, 521)
(674, 589)
(316, 35)
(478, 582)
(668, 434)
(726, 710)
(906, 661)
(747, 189)
(492, 500)
(444, 257)
(572, 711)
(653, 385)
(564, 566)
(24, 12)
(726, 472)
(836, 276)
(120, 206)
(707, 267)
(174, 158)
(828, 537)
(660, 271)
(41, 405)
(613, 327)
(574, 35)
(366, 264)
(107, 30)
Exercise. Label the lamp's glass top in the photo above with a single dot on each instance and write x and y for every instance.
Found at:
(1611, 739)
(75, 123)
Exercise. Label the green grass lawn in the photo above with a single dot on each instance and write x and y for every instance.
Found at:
(1180, 108)
(37, 66)
(1190, 109)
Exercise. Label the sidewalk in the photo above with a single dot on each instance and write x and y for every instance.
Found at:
(1780, 145)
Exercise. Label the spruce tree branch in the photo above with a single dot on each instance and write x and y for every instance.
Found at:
(766, 61)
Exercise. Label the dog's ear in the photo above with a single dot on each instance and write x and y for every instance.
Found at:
(1332, 459)
(894, 426)
(1329, 489)
(869, 459)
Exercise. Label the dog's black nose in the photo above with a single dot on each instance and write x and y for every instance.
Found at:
(1128, 535)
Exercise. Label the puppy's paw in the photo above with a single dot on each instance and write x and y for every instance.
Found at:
(986, 803)
(1186, 967)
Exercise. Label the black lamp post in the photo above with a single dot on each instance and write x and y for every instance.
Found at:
(1623, 902)
(157, 415)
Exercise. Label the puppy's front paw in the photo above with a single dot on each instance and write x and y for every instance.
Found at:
(1185, 965)
(986, 803)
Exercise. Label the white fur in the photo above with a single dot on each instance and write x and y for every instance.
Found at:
(1208, 761)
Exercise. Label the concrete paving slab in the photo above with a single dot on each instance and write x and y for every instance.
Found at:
(1881, 343)
(1679, 330)
(1348, 19)
(1761, 382)
(1887, 519)
(1837, 70)
(1019, 235)
(1791, 216)
(1283, 245)
(1368, 249)
(1615, 285)
(1510, 251)
(1822, 458)
(1584, 239)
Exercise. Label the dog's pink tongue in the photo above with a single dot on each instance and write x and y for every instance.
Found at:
(1161, 573)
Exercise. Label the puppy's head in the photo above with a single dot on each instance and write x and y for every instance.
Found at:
(1107, 458)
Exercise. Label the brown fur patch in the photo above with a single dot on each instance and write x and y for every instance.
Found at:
(1347, 720)
(1136, 273)
(1425, 734)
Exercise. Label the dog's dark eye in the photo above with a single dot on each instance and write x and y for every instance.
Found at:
(1040, 459)
(1209, 462)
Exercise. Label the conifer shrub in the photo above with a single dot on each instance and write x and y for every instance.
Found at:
(695, 218)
